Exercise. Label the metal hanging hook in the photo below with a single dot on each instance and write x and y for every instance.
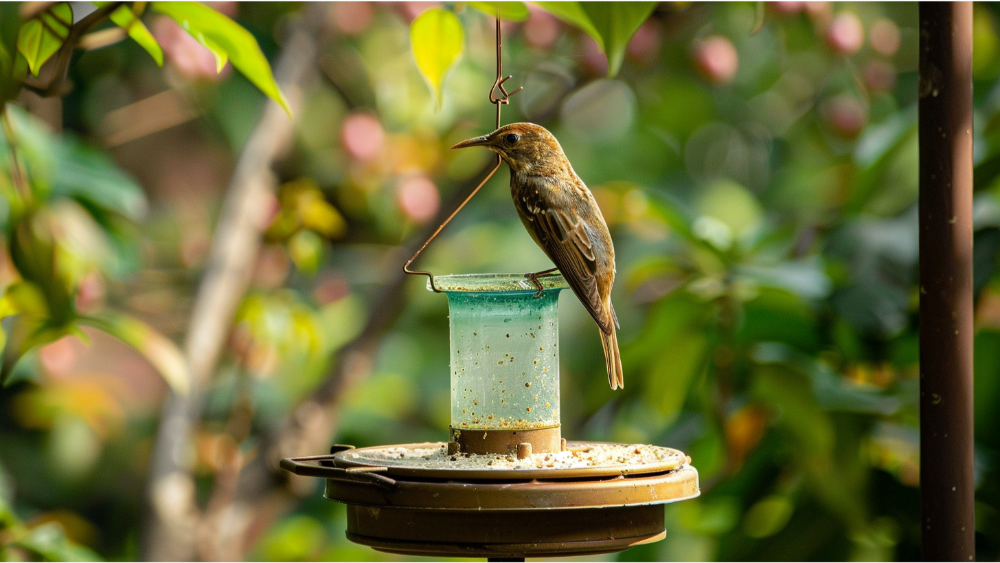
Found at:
(499, 102)
(498, 83)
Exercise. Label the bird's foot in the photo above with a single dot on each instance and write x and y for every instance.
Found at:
(533, 276)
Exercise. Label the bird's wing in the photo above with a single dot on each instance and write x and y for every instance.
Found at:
(564, 236)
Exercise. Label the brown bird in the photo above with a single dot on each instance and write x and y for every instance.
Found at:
(562, 216)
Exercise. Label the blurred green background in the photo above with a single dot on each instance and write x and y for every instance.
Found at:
(757, 166)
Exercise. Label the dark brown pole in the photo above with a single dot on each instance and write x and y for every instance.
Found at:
(946, 486)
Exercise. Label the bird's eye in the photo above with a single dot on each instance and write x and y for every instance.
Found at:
(512, 138)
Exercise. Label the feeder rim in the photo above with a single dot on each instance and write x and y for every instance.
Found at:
(496, 283)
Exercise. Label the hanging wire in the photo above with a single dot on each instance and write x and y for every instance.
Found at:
(503, 99)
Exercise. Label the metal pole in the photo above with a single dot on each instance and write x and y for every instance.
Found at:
(946, 327)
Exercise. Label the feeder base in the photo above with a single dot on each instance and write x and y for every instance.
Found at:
(417, 499)
(504, 534)
(542, 440)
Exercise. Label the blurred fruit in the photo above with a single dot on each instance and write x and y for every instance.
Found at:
(330, 288)
(884, 37)
(845, 34)
(879, 76)
(593, 57)
(844, 115)
(716, 59)
(351, 18)
(645, 44)
(819, 12)
(418, 198)
(410, 10)
(226, 8)
(363, 136)
(785, 8)
(541, 30)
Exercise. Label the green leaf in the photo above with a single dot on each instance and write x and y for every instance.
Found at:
(159, 350)
(88, 175)
(510, 11)
(617, 22)
(227, 40)
(25, 298)
(128, 19)
(758, 18)
(43, 35)
(34, 252)
(672, 352)
(573, 14)
(64, 166)
(437, 40)
(25, 332)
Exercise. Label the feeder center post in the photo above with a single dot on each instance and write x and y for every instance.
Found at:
(946, 308)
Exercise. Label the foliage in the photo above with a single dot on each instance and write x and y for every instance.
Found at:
(65, 204)
(41, 36)
(128, 18)
(757, 171)
(227, 40)
(438, 40)
(611, 24)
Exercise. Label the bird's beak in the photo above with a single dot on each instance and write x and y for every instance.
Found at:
(474, 142)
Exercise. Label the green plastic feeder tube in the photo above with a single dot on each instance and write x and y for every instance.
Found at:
(504, 351)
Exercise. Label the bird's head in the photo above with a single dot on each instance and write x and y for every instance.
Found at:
(525, 147)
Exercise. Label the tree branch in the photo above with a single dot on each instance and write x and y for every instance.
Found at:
(312, 425)
(174, 517)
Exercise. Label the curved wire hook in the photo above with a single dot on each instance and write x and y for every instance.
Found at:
(498, 101)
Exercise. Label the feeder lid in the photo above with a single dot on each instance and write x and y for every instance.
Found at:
(578, 460)
(496, 283)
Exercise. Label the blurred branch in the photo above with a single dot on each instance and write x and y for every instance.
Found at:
(334, 68)
(147, 116)
(312, 424)
(174, 519)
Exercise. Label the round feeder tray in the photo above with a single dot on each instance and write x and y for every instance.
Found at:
(418, 499)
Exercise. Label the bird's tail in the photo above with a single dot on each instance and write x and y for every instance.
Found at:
(613, 359)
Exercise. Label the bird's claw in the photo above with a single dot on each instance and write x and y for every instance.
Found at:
(534, 279)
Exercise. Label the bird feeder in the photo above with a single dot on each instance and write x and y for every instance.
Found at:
(505, 484)
(504, 363)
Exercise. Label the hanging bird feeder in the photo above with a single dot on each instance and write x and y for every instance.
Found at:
(506, 484)
(504, 364)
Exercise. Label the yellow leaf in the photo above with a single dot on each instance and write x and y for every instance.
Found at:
(320, 216)
(437, 39)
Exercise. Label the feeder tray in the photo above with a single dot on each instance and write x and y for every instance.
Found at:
(417, 499)
(506, 484)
